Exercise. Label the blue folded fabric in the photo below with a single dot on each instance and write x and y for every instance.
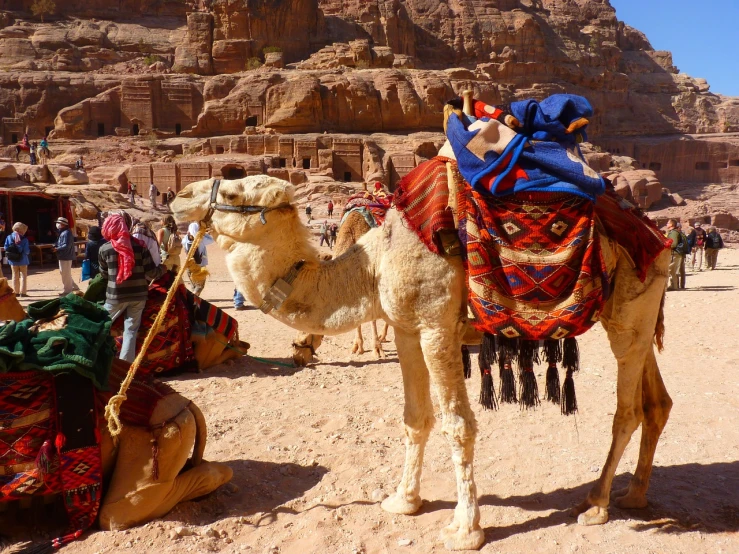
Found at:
(542, 155)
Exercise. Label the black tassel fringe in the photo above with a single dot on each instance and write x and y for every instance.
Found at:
(42, 548)
(552, 351)
(488, 352)
(466, 362)
(528, 354)
(507, 348)
(487, 392)
(507, 383)
(570, 355)
(553, 383)
(528, 389)
(569, 400)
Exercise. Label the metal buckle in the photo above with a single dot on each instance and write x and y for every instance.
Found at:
(276, 296)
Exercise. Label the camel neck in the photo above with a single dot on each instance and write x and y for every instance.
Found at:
(327, 297)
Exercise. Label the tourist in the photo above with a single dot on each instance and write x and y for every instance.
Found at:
(142, 231)
(132, 192)
(686, 252)
(79, 164)
(66, 253)
(332, 232)
(128, 267)
(309, 212)
(330, 209)
(153, 193)
(18, 252)
(169, 196)
(324, 234)
(196, 271)
(94, 241)
(32, 152)
(677, 258)
(697, 241)
(239, 301)
(170, 243)
(714, 243)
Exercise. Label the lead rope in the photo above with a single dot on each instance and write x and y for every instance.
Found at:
(113, 408)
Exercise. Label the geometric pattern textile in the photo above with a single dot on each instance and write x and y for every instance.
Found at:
(534, 264)
(49, 445)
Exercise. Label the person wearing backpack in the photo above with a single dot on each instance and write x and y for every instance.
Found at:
(678, 257)
(309, 212)
(170, 243)
(714, 243)
(685, 249)
(697, 240)
(196, 271)
(18, 252)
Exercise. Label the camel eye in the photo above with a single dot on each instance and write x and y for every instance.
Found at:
(229, 196)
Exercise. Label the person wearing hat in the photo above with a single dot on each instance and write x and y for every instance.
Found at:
(697, 242)
(94, 241)
(66, 252)
(18, 252)
(196, 271)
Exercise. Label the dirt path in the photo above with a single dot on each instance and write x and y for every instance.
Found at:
(313, 450)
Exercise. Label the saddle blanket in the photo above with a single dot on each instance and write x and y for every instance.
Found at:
(372, 207)
(534, 265)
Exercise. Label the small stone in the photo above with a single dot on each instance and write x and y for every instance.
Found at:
(183, 531)
(173, 534)
(213, 533)
(405, 542)
(594, 469)
(378, 495)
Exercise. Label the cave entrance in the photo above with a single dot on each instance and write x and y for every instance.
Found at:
(251, 121)
(135, 129)
(101, 129)
(306, 163)
(177, 129)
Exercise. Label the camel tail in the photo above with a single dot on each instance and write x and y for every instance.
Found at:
(659, 330)
(201, 435)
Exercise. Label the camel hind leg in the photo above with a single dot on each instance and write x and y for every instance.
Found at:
(377, 348)
(656, 405)
(630, 319)
(358, 346)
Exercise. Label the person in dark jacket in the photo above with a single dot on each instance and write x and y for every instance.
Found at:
(19, 265)
(94, 241)
(66, 252)
(714, 243)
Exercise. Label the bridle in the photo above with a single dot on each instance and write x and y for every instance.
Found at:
(246, 210)
(281, 288)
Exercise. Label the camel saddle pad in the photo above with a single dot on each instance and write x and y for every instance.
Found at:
(530, 273)
(534, 264)
(49, 442)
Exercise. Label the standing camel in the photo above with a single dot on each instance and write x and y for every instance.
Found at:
(305, 344)
(390, 274)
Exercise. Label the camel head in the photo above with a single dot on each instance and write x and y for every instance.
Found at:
(240, 205)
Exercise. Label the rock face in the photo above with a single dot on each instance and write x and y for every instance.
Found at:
(200, 68)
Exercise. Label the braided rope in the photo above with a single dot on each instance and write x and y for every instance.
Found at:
(113, 409)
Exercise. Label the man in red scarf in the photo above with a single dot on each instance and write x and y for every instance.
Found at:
(128, 266)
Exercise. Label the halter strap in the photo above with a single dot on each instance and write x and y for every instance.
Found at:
(215, 206)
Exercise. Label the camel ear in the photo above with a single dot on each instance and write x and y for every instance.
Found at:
(283, 193)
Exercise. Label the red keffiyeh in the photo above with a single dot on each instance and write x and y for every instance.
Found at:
(116, 232)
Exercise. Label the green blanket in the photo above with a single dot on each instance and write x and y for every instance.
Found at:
(83, 344)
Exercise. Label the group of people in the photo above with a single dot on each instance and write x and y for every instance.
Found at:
(695, 244)
(153, 194)
(328, 233)
(35, 149)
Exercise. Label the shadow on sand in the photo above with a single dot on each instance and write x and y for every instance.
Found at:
(682, 498)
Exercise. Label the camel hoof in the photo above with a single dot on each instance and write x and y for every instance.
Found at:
(379, 352)
(627, 501)
(302, 356)
(596, 515)
(396, 504)
(455, 538)
(358, 349)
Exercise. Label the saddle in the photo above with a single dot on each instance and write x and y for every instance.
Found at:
(538, 233)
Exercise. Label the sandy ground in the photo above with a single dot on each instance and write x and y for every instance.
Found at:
(314, 450)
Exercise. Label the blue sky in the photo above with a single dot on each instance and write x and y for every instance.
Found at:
(703, 36)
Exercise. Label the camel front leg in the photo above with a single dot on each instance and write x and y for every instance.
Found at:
(377, 348)
(383, 335)
(594, 509)
(358, 347)
(656, 404)
(443, 356)
(418, 417)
